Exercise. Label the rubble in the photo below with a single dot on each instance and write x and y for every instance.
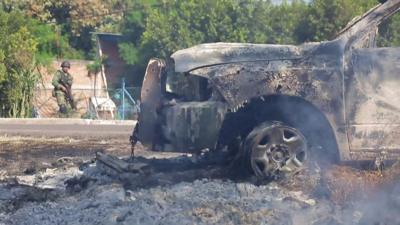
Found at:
(50, 178)
(120, 166)
(188, 189)
(93, 196)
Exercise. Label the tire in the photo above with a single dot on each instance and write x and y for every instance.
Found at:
(274, 149)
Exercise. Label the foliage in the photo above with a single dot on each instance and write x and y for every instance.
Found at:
(324, 19)
(50, 43)
(95, 67)
(390, 32)
(129, 52)
(133, 26)
(17, 63)
(77, 19)
(26, 44)
(160, 29)
(172, 25)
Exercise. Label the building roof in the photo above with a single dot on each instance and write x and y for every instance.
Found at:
(108, 36)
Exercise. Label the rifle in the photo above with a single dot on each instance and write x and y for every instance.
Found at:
(68, 94)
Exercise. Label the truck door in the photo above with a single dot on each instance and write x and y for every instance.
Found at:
(151, 97)
(191, 121)
(372, 97)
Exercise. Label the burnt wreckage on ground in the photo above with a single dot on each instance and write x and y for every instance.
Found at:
(276, 106)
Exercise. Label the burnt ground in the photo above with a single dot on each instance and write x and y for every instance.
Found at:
(24, 155)
(19, 155)
(54, 181)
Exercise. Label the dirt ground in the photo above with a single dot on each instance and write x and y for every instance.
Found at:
(24, 155)
(19, 155)
(56, 181)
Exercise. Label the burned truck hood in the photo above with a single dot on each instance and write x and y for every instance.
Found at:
(223, 53)
(241, 72)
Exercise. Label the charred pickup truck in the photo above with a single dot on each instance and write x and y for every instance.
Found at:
(275, 107)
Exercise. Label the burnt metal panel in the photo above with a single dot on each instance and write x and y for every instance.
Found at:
(222, 53)
(151, 98)
(193, 126)
(373, 101)
(359, 30)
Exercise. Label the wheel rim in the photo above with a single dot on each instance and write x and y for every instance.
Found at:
(277, 150)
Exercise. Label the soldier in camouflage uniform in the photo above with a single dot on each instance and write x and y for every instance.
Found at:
(62, 82)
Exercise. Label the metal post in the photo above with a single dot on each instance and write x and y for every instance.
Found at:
(123, 98)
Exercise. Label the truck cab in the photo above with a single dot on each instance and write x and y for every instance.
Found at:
(278, 106)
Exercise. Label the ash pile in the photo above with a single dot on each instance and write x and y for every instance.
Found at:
(185, 190)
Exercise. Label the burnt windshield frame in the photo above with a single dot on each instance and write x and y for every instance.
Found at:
(185, 86)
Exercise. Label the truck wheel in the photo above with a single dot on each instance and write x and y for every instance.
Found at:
(274, 149)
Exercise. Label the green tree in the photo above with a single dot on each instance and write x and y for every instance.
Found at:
(324, 19)
(73, 20)
(159, 30)
(133, 25)
(389, 32)
(283, 20)
(17, 63)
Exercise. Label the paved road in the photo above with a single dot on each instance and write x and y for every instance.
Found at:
(74, 128)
